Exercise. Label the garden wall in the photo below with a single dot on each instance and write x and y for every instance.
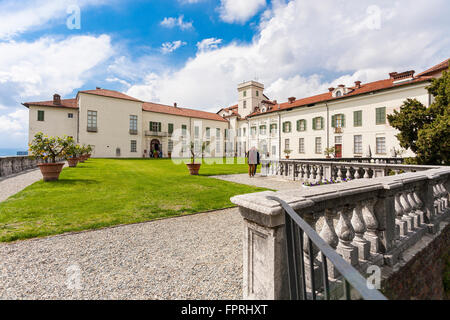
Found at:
(13, 165)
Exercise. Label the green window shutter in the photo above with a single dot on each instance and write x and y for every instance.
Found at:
(343, 121)
(159, 126)
(304, 126)
(333, 121)
(321, 122)
(314, 124)
(170, 128)
(40, 115)
(380, 114)
(298, 125)
(150, 126)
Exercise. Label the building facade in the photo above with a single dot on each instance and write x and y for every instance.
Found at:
(350, 119)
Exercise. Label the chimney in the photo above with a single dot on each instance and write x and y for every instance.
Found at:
(275, 101)
(98, 88)
(175, 104)
(56, 99)
(291, 99)
(358, 84)
(402, 75)
(331, 89)
(341, 86)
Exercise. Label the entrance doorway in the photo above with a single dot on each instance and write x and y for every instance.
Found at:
(155, 148)
(338, 150)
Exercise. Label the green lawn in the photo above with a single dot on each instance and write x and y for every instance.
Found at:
(107, 192)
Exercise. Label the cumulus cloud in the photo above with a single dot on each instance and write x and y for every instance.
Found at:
(302, 47)
(208, 44)
(239, 11)
(168, 47)
(14, 125)
(171, 22)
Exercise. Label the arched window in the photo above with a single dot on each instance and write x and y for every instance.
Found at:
(338, 93)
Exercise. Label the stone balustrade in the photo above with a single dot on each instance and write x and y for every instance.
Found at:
(12, 165)
(367, 221)
(315, 171)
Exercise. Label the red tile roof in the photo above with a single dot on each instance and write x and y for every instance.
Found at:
(365, 88)
(439, 67)
(161, 108)
(111, 94)
(65, 103)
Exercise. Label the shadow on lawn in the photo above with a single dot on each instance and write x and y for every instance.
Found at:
(70, 182)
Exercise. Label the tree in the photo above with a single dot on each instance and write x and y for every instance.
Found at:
(426, 131)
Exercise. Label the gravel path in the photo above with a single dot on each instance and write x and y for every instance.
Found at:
(190, 257)
(11, 185)
(274, 183)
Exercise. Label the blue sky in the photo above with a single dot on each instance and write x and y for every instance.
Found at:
(195, 52)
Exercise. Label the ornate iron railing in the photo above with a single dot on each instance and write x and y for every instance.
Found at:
(296, 228)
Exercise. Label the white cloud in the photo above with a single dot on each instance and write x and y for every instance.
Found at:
(171, 22)
(14, 126)
(239, 11)
(168, 47)
(303, 47)
(208, 44)
(20, 16)
(190, 1)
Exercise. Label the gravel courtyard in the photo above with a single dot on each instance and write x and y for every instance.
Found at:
(189, 257)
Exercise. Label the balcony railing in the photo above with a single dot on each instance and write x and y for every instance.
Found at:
(149, 133)
(338, 130)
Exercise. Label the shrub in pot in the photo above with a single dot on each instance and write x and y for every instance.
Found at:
(50, 150)
(72, 155)
(287, 152)
(192, 166)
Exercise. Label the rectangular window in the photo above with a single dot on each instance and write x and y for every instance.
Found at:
(301, 125)
(338, 140)
(287, 127)
(262, 130)
(40, 115)
(339, 121)
(318, 123)
(301, 145)
(381, 145)
(133, 146)
(274, 151)
(170, 145)
(257, 93)
(253, 131)
(357, 118)
(170, 128)
(196, 132)
(357, 144)
(286, 144)
(245, 93)
(244, 131)
(380, 114)
(184, 130)
(208, 133)
(318, 147)
(92, 121)
(217, 133)
(155, 126)
(217, 146)
(70, 115)
(273, 129)
(133, 124)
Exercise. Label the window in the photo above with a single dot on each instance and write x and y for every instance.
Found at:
(380, 115)
(133, 146)
(155, 126)
(338, 93)
(286, 144)
(92, 121)
(318, 145)
(301, 145)
(196, 132)
(184, 130)
(301, 125)
(133, 124)
(208, 132)
(244, 131)
(273, 128)
(170, 145)
(239, 132)
(381, 145)
(170, 128)
(338, 140)
(338, 121)
(40, 115)
(217, 146)
(245, 104)
(257, 93)
(357, 118)
(245, 93)
(287, 127)
(253, 131)
(70, 115)
(274, 150)
(262, 129)
(357, 144)
(217, 133)
(318, 123)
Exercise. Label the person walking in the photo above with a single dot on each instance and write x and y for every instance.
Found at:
(255, 167)
(252, 160)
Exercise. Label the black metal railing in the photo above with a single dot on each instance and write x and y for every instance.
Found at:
(295, 228)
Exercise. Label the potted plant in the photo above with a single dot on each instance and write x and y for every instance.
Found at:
(88, 151)
(192, 166)
(49, 150)
(72, 154)
(83, 152)
(287, 152)
(329, 151)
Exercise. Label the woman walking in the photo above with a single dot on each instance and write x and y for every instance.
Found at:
(252, 160)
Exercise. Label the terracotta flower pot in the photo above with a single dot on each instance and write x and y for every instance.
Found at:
(51, 171)
(287, 157)
(193, 168)
(72, 162)
(82, 158)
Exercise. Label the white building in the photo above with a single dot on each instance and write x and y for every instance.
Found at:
(350, 118)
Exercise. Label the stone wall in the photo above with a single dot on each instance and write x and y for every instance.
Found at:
(419, 275)
(12, 165)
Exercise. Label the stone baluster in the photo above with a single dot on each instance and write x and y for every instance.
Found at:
(339, 174)
(414, 208)
(320, 173)
(371, 222)
(302, 171)
(406, 211)
(399, 221)
(444, 196)
(437, 201)
(359, 226)
(345, 233)
(294, 170)
(348, 174)
(366, 173)
(329, 235)
(308, 172)
(317, 275)
(314, 173)
(357, 175)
